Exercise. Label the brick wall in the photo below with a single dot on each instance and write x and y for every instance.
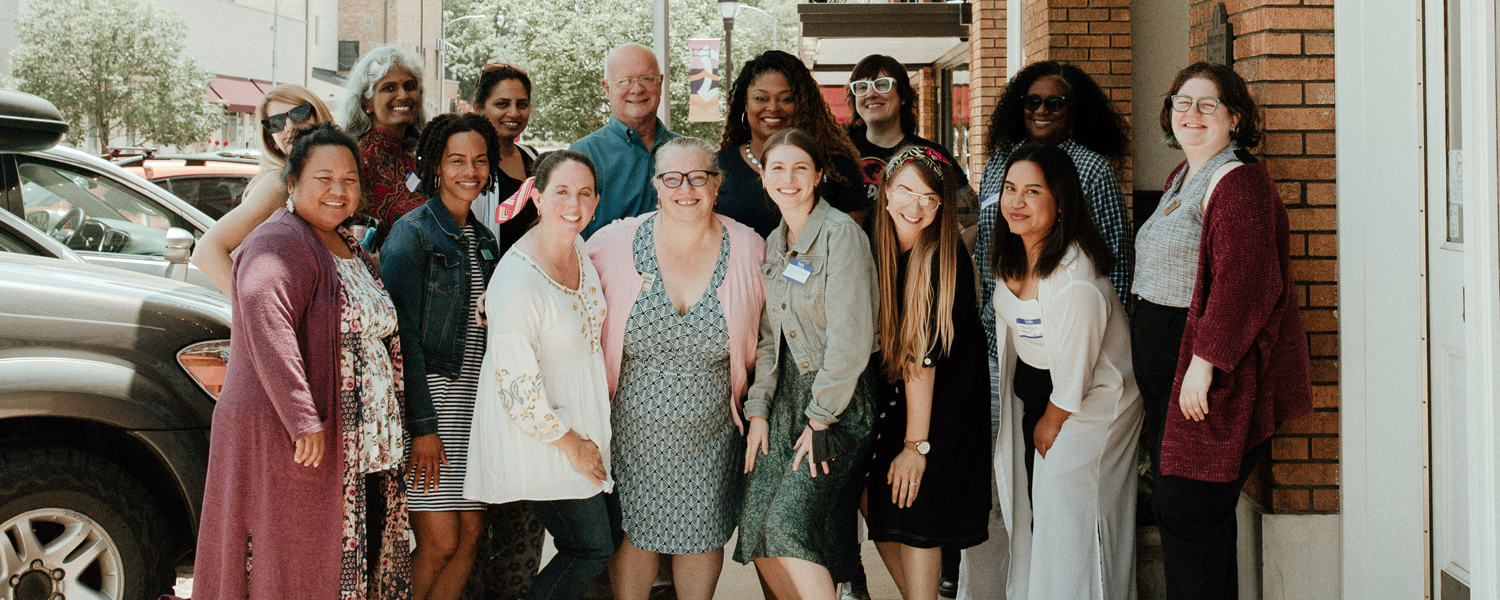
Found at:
(1284, 50)
(986, 76)
(926, 85)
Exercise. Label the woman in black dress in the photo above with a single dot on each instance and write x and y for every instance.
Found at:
(503, 95)
(928, 483)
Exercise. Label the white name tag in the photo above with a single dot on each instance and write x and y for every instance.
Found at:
(797, 271)
(988, 200)
(412, 183)
(1030, 329)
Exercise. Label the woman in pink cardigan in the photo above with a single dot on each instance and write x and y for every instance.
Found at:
(684, 294)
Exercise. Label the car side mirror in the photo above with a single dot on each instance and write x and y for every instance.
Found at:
(179, 248)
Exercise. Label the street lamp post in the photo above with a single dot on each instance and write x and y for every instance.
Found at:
(727, 9)
(443, 47)
(775, 25)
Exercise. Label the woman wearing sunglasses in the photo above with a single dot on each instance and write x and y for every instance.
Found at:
(1219, 366)
(775, 92)
(503, 95)
(884, 104)
(1050, 104)
(285, 109)
(684, 294)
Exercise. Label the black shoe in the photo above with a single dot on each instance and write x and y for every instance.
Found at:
(948, 588)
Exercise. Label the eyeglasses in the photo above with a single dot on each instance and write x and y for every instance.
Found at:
(648, 81)
(673, 179)
(500, 66)
(1206, 105)
(881, 86)
(1054, 102)
(297, 115)
(904, 198)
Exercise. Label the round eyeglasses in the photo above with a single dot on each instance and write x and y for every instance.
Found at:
(1206, 105)
(863, 86)
(673, 179)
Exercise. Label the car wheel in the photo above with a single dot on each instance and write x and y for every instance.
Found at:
(73, 525)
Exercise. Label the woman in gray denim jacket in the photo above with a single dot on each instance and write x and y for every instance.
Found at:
(436, 262)
(813, 398)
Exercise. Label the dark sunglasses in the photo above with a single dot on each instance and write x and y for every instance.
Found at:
(297, 115)
(1053, 102)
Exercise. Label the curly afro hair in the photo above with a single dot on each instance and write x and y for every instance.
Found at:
(811, 114)
(434, 141)
(1096, 125)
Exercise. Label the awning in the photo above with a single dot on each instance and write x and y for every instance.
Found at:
(919, 34)
(242, 94)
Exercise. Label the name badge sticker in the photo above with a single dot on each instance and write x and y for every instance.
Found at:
(1030, 329)
(647, 279)
(412, 182)
(989, 200)
(485, 252)
(797, 271)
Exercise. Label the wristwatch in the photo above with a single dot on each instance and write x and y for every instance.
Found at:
(921, 446)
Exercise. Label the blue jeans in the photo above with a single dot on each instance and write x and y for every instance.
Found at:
(582, 532)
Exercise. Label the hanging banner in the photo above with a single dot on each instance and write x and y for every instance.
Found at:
(703, 75)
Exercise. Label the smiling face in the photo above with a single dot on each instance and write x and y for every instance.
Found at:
(879, 109)
(276, 107)
(1044, 125)
(568, 203)
(1194, 129)
(508, 108)
(769, 105)
(791, 179)
(686, 203)
(633, 103)
(327, 191)
(906, 212)
(397, 96)
(1027, 202)
(465, 167)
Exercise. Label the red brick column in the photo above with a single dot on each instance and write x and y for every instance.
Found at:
(927, 87)
(986, 76)
(1284, 50)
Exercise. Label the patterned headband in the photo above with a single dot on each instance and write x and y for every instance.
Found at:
(931, 158)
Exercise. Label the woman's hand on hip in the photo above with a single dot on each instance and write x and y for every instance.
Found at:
(905, 477)
(1195, 383)
(427, 460)
(308, 450)
(804, 447)
(584, 456)
(757, 439)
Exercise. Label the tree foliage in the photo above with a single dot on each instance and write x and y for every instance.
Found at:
(114, 67)
(562, 44)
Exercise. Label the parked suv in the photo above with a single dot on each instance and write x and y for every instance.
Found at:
(107, 386)
(211, 182)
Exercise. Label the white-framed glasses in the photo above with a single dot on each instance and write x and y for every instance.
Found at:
(649, 81)
(905, 198)
(863, 86)
(1206, 105)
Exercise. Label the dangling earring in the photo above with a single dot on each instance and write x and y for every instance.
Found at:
(745, 116)
(289, 207)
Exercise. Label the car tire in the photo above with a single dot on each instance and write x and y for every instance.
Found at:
(71, 518)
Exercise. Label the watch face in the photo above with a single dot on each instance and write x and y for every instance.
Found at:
(923, 447)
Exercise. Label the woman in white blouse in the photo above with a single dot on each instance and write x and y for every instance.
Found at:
(1065, 359)
(541, 421)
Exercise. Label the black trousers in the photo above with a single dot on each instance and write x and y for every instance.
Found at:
(1155, 341)
(1034, 387)
(1199, 533)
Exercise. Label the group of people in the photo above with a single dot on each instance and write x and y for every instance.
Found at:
(648, 342)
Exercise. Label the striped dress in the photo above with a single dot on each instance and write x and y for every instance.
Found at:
(454, 401)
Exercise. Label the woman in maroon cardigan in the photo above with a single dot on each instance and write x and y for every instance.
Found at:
(1212, 263)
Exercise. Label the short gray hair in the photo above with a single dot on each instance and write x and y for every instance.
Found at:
(370, 69)
(710, 151)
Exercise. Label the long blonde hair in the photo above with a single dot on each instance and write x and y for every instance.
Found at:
(906, 319)
(272, 157)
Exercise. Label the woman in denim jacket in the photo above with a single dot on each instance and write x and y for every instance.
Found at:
(437, 261)
(813, 398)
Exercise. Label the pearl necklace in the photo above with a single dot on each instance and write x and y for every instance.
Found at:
(752, 158)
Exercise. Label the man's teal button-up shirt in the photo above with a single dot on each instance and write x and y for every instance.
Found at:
(625, 167)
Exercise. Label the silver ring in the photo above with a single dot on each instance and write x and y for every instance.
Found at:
(914, 483)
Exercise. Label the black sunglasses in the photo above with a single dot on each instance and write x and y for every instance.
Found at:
(1053, 102)
(298, 115)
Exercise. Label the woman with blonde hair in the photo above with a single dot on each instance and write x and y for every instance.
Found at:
(283, 110)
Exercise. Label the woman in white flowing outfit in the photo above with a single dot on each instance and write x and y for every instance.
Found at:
(1066, 345)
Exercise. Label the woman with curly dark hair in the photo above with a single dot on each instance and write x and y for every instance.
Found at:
(775, 92)
(1051, 104)
(436, 262)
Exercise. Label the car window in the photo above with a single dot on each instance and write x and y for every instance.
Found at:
(212, 195)
(9, 243)
(90, 211)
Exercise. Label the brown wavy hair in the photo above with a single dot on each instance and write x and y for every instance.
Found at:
(1234, 95)
(811, 113)
(870, 67)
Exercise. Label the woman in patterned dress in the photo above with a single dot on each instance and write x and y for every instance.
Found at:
(383, 109)
(436, 262)
(541, 422)
(309, 430)
(685, 298)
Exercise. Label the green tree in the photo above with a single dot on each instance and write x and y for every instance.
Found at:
(562, 44)
(114, 67)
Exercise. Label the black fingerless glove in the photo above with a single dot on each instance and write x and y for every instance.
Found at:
(831, 443)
